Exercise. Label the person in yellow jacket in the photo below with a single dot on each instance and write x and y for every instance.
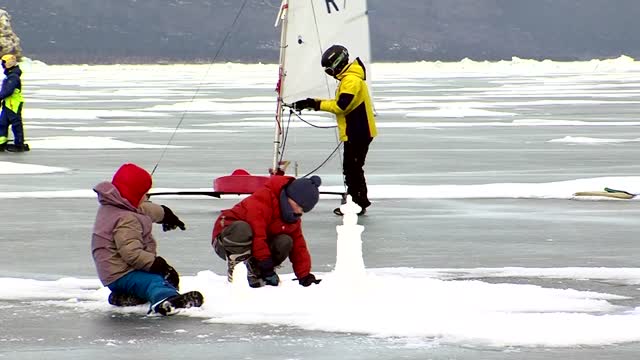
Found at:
(354, 113)
(12, 101)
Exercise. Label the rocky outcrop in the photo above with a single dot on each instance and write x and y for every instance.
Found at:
(9, 41)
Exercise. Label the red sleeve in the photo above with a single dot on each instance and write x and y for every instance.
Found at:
(260, 248)
(257, 212)
(299, 256)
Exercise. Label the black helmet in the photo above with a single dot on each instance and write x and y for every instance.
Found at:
(335, 59)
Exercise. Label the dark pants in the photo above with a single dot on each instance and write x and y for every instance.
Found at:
(8, 117)
(145, 285)
(237, 239)
(355, 154)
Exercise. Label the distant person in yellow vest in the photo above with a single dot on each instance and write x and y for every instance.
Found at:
(11, 99)
(354, 113)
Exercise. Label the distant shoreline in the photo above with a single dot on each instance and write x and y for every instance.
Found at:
(143, 60)
(622, 58)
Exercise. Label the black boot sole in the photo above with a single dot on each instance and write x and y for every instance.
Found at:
(184, 301)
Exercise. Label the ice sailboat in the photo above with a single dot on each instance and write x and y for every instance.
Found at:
(308, 27)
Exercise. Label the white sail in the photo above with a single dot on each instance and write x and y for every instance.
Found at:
(311, 27)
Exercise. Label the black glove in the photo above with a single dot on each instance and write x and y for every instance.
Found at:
(173, 278)
(170, 221)
(308, 280)
(161, 267)
(307, 103)
(267, 273)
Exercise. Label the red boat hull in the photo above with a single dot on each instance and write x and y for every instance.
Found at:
(239, 182)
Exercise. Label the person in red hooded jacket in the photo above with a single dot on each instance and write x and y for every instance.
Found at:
(124, 250)
(265, 228)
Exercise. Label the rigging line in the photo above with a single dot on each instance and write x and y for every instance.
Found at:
(224, 40)
(284, 138)
(337, 132)
(284, 142)
(321, 52)
(310, 124)
(325, 160)
(286, 130)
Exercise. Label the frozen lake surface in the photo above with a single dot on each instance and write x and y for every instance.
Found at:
(475, 246)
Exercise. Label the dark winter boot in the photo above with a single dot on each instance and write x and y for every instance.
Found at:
(338, 212)
(232, 260)
(3, 147)
(170, 305)
(253, 274)
(17, 147)
(121, 299)
(234, 245)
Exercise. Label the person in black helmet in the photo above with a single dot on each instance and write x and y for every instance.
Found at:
(354, 113)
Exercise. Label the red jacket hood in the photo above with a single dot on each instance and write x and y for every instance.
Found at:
(132, 182)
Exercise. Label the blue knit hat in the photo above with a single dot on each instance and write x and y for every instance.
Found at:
(304, 191)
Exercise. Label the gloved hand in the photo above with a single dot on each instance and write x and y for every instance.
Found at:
(308, 280)
(173, 278)
(307, 103)
(272, 280)
(161, 267)
(170, 221)
(267, 272)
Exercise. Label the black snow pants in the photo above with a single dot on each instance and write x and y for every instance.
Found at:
(355, 153)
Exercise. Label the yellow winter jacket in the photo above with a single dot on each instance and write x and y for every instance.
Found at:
(355, 119)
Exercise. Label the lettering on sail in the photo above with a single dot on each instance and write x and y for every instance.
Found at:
(329, 3)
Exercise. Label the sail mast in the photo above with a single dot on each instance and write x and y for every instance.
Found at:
(277, 137)
(314, 26)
